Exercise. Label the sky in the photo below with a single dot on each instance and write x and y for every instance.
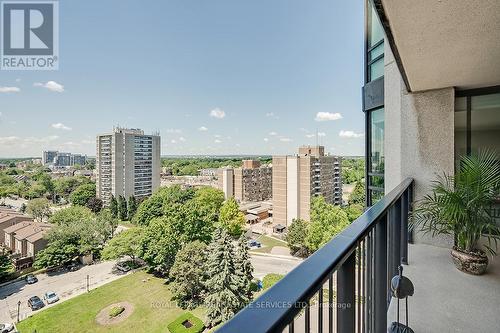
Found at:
(213, 77)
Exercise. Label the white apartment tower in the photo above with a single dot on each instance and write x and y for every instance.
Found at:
(127, 164)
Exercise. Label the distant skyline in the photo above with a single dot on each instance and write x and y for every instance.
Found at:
(214, 78)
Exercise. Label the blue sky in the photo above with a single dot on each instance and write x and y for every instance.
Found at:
(214, 77)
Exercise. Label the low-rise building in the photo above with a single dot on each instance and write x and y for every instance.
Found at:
(26, 239)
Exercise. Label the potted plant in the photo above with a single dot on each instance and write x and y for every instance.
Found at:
(460, 205)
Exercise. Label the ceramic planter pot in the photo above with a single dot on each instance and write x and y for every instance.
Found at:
(474, 263)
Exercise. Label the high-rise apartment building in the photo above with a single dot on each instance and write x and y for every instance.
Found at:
(127, 164)
(60, 159)
(296, 179)
(250, 183)
(48, 156)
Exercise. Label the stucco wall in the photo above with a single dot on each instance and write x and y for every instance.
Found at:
(419, 137)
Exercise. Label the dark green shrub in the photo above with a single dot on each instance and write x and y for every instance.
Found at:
(116, 311)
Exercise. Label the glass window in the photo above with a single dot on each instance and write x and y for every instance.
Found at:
(377, 141)
(485, 123)
(376, 163)
(375, 52)
(460, 128)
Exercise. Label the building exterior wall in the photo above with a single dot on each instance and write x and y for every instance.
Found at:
(250, 184)
(296, 179)
(128, 164)
(238, 189)
(279, 189)
(419, 140)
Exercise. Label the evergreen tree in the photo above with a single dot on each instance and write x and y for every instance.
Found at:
(132, 207)
(113, 206)
(122, 208)
(244, 269)
(223, 298)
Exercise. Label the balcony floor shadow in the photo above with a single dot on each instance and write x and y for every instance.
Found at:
(447, 300)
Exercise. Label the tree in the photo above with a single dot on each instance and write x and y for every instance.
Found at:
(187, 274)
(94, 204)
(48, 186)
(231, 218)
(131, 208)
(358, 194)
(56, 253)
(122, 208)
(39, 209)
(160, 244)
(244, 269)
(126, 243)
(296, 237)
(224, 295)
(5, 266)
(82, 194)
(164, 200)
(327, 221)
(353, 211)
(113, 206)
(74, 215)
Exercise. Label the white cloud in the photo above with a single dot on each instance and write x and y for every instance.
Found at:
(217, 136)
(327, 116)
(285, 139)
(272, 115)
(9, 89)
(313, 135)
(61, 126)
(273, 133)
(202, 129)
(350, 134)
(173, 141)
(50, 85)
(174, 130)
(217, 141)
(182, 139)
(217, 113)
(18, 80)
(266, 139)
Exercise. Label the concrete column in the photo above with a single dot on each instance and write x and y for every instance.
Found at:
(419, 137)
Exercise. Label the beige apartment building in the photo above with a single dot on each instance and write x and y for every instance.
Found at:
(127, 163)
(250, 183)
(296, 179)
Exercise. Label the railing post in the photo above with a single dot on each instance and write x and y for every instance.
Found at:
(404, 228)
(395, 229)
(410, 191)
(346, 316)
(380, 277)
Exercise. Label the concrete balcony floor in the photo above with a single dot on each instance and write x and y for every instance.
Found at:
(447, 300)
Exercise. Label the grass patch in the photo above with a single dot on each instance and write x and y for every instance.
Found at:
(116, 311)
(186, 323)
(153, 309)
(270, 280)
(268, 243)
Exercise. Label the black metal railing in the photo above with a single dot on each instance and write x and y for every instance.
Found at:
(344, 286)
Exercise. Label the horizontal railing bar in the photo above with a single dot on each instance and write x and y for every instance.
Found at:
(273, 310)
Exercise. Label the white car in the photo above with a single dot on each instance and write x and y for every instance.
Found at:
(50, 297)
(6, 327)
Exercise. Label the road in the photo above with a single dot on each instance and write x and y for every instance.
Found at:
(265, 264)
(65, 285)
(70, 284)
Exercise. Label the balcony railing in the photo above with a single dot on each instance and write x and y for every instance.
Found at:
(344, 286)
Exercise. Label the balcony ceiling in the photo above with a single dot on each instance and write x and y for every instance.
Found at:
(444, 43)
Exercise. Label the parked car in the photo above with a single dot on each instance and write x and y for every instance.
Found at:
(50, 297)
(254, 243)
(73, 267)
(30, 279)
(35, 303)
(6, 327)
(121, 266)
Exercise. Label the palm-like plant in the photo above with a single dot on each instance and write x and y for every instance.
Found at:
(460, 205)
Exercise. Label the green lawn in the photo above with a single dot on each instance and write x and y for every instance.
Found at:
(268, 243)
(151, 299)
